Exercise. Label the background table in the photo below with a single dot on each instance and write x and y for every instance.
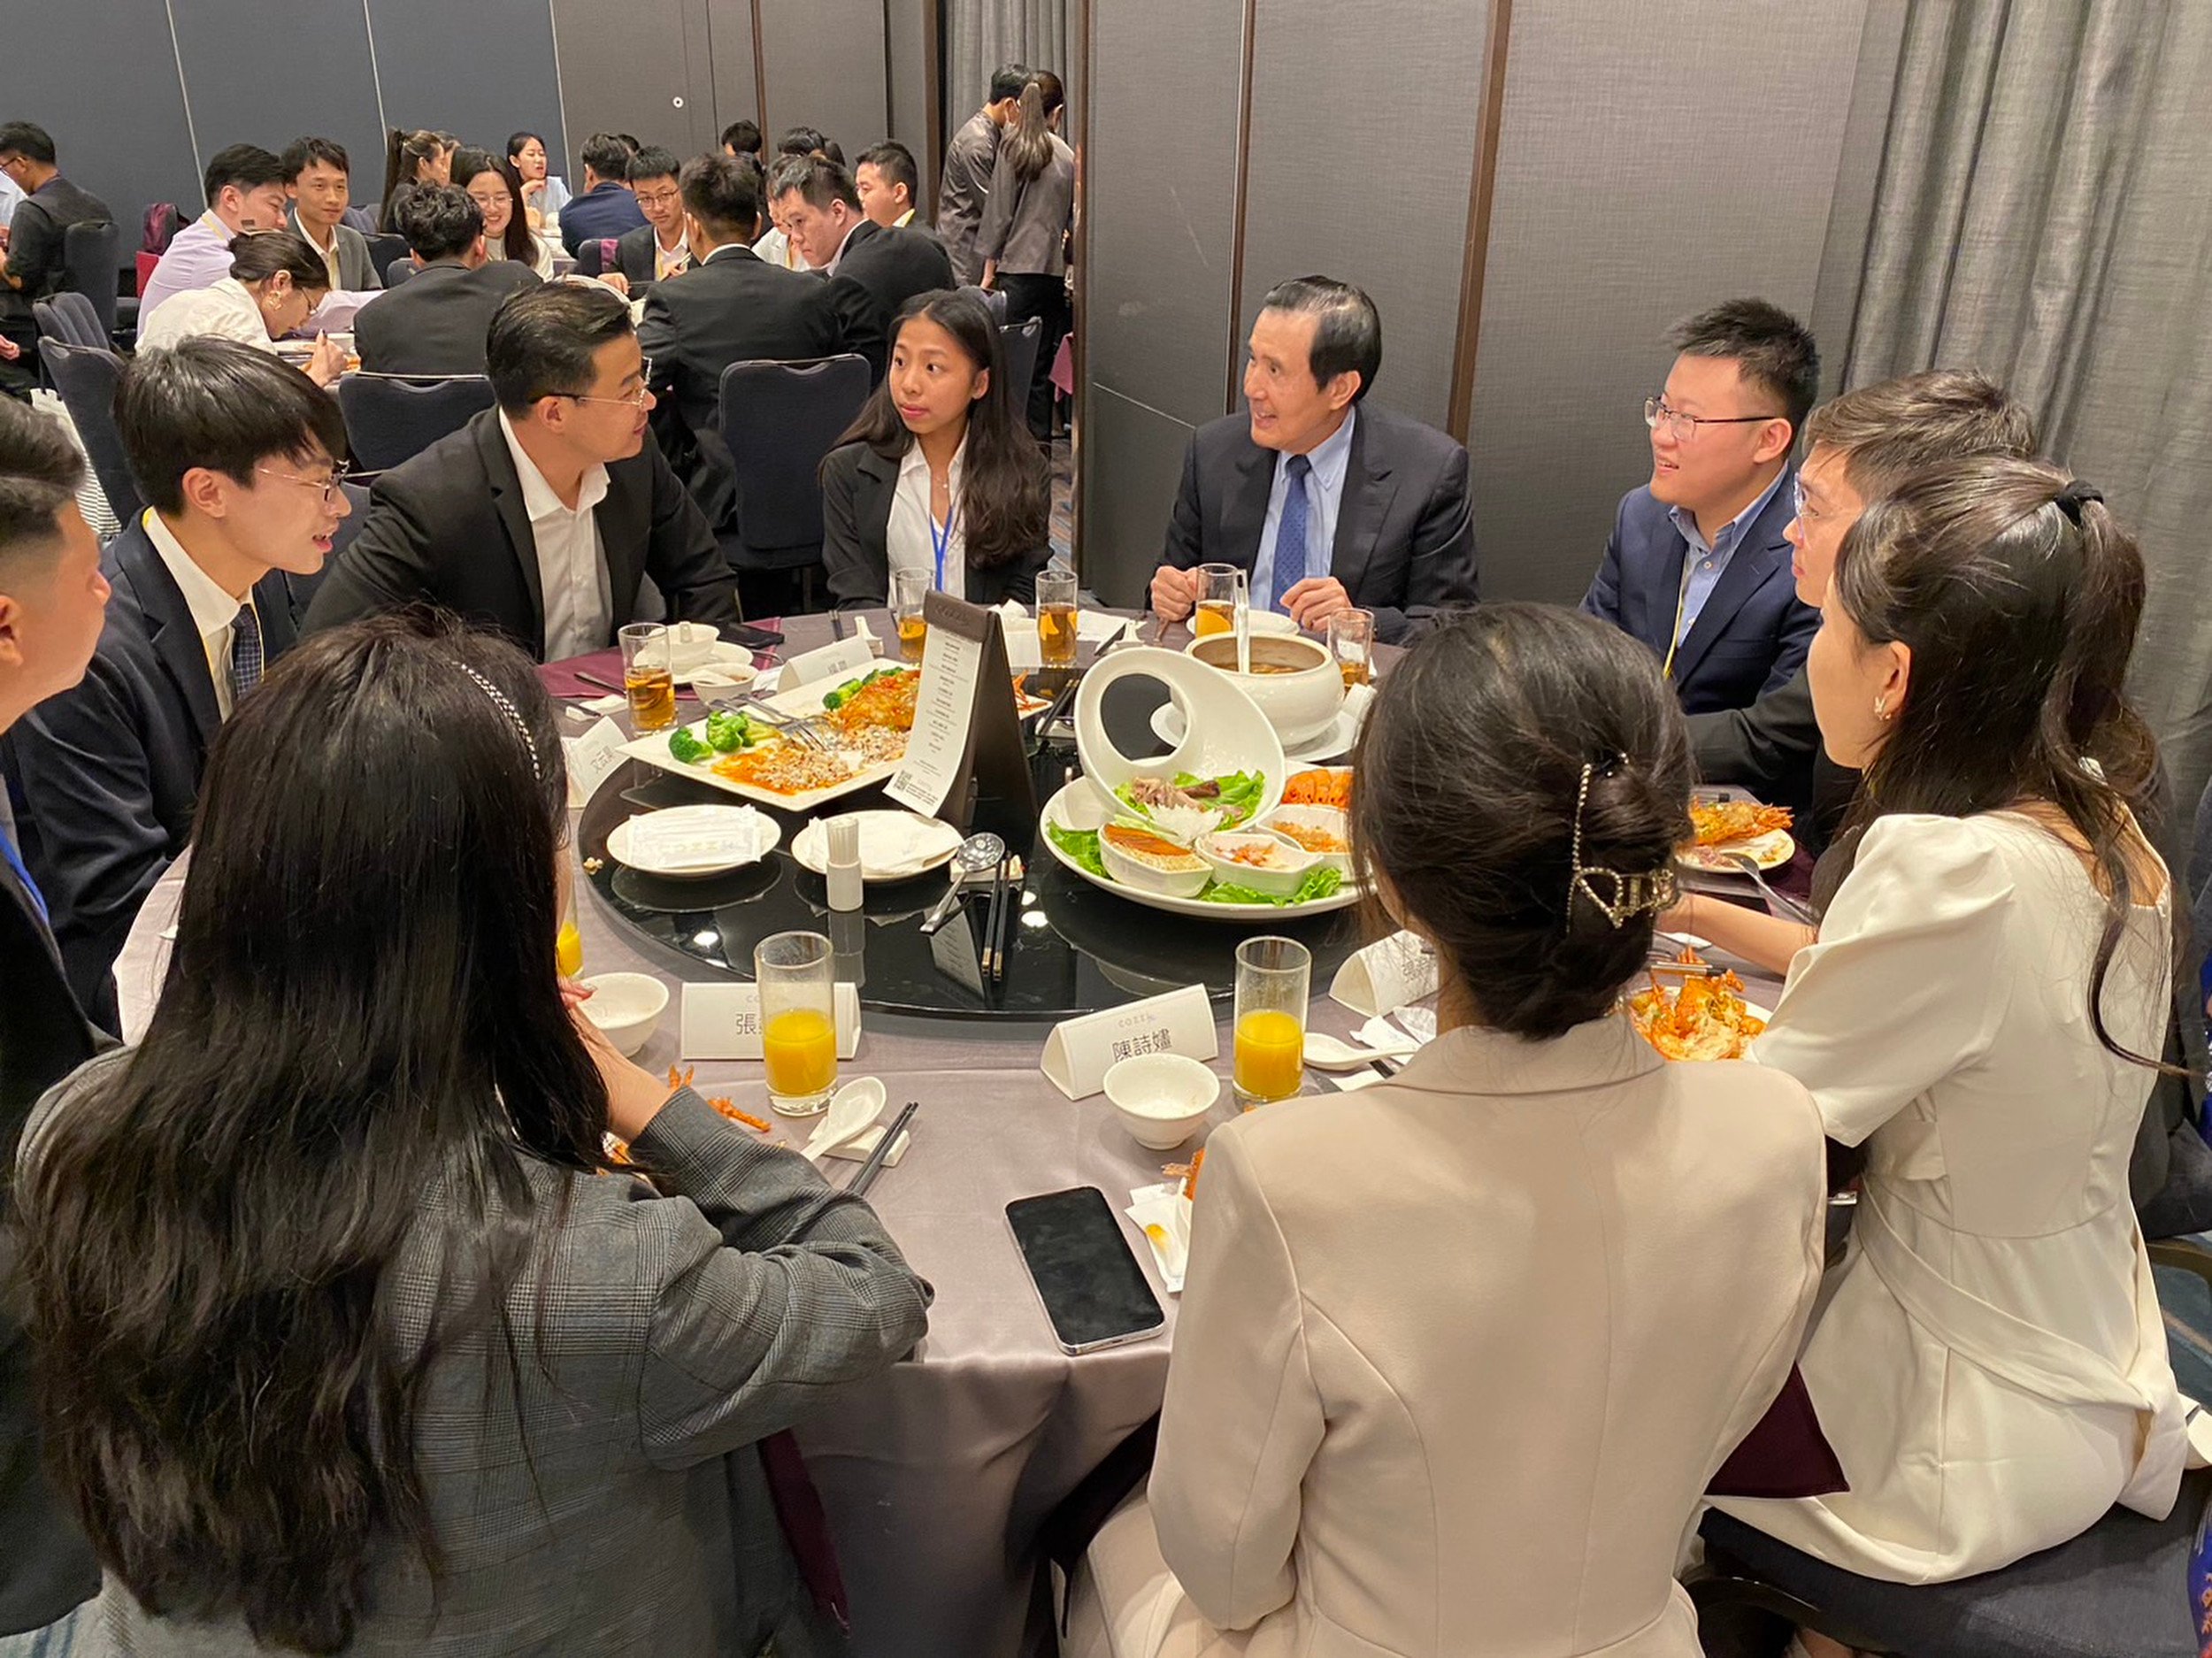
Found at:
(937, 1473)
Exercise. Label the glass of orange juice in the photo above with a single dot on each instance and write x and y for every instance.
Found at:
(568, 950)
(1216, 600)
(796, 972)
(1273, 978)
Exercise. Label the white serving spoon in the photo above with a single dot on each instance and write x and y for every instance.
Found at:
(852, 1112)
(1327, 1053)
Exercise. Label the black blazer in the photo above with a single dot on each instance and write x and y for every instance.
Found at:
(1405, 530)
(449, 529)
(735, 308)
(435, 321)
(635, 252)
(109, 771)
(858, 482)
(880, 270)
(48, 1566)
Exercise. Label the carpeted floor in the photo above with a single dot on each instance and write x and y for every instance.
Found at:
(2186, 1301)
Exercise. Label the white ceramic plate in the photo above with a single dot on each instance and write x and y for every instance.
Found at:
(1076, 806)
(731, 666)
(1768, 851)
(810, 845)
(1343, 732)
(766, 834)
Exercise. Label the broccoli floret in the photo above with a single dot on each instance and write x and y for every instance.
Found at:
(728, 730)
(687, 747)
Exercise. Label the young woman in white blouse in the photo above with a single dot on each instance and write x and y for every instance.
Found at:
(1458, 1355)
(276, 280)
(1981, 1011)
(938, 474)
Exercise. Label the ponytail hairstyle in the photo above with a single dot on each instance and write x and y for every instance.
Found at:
(1028, 145)
(405, 154)
(1005, 500)
(2019, 594)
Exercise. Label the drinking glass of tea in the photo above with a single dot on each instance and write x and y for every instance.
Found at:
(1216, 600)
(909, 589)
(1057, 616)
(649, 676)
(796, 973)
(1351, 642)
(1273, 978)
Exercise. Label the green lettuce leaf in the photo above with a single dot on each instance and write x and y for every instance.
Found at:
(1323, 883)
(1079, 844)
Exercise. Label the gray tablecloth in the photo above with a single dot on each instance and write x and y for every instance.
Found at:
(936, 1475)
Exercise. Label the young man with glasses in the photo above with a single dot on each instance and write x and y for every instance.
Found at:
(237, 453)
(658, 248)
(542, 516)
(1697, 567)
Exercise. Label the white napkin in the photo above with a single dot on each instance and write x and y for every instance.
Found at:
(679, 840)
(1024, 649)
(1420, 1023)
(893, 845)
(1163, 1215)
(607, 704)
(1093, 626)
(1388, 1040)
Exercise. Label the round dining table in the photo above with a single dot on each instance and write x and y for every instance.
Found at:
(936, 1475)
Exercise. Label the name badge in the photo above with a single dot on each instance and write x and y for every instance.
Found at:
(1079, 1051)
(723, 1021)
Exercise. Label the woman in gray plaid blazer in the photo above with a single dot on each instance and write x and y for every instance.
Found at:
(351, 1337)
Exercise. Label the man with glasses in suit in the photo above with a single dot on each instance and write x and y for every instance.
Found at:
(1697, 566)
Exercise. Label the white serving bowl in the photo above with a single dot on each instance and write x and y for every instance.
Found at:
(1134, 872)
(1162, 1097)
(1301, 704)
(1224, 731)
(1326, 818)
(626, 1008)
(1287, 865)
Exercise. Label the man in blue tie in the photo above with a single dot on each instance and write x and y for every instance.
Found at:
(237, 453)
(51, 595)
(1332, 502)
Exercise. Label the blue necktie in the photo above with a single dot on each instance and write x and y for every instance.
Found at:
(22, 873)
(245, 654)
(1290, 535)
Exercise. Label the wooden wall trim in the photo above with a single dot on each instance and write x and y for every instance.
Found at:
(1482, 192)
(1234, 380)
(760, 83)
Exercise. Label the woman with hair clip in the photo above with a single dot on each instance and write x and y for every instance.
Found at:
(276, 280)
(410, 160)
(493, 185)
(349, 1336)
(1023, 237)
(935, 475)
(1982, 1011)
(1460, 1352)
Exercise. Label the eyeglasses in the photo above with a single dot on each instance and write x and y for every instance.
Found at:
(636, 399)
(1682, 427)
(1798, 502)
(328, 487)
(659, 199)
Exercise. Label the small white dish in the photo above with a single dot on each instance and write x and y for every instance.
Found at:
(626, 1008)
(738, 821)
(894, 845)
(1336, 741)
(720, 668)
(1185, 876)
(1162, 1097)
(1327, 820)
(1287, 865)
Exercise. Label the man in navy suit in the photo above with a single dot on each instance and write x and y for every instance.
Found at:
(1697, 566)
(606, 211)
(237, 453)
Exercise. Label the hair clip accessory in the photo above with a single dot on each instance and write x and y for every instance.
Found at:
(2069, 499)
(505, 705)
(1645, 891)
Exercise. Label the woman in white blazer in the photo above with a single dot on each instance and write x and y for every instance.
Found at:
(1982, 1011)
(1458, 1353)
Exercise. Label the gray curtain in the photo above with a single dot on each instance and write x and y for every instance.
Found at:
(2045, 214)
(981, 35)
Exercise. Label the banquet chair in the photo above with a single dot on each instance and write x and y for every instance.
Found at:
(779, 420)
(361, 218)
(1019, 340)
(398, 271)
(70, 318)
(384, 246)
(2120, 1590)
(90, 252)
(86, 377)
(993, 298)
(390, 419)
(591, 256)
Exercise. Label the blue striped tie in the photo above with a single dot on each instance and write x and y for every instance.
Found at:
(245, 654)
(1290, 535)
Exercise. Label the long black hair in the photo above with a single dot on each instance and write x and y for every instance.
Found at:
(1005, 504)
(362, 1015)
(516, 241)
(2019, 600)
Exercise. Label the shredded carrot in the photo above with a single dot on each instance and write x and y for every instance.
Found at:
(681, 1080)
(728, 1108)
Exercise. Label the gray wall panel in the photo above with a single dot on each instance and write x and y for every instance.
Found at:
(624, 64)
(826, 70)
(1655, 159)
(1132, 456)
(251, 83)
(1392, 217)
(431, 65)
(730, 46)
(907, 25)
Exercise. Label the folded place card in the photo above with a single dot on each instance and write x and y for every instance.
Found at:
(1023, 650)
(723, 1021)
(847, 655)
(1386, 975)
(591, 758)
(1079, 1052)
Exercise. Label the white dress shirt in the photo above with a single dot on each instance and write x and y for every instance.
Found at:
(214, 613)
(908, 543)
(228, 311)
(668, 262)
(776, 249)
(1326, 494)
(571, 565)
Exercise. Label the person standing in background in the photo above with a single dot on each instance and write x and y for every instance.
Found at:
(32, 262)
(1023, 237)
(966, 184)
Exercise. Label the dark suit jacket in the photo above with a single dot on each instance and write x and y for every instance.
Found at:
(1405, 529)
(35, 240)
(880, 270)
(607, 212)
(1752, 635)
(435, 322)
(736, 308)
(858, 483)
(635, 252)
(449, 529)
(1773, 748)
(109, 771)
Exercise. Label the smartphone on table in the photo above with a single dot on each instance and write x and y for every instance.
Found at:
(1094, 1291)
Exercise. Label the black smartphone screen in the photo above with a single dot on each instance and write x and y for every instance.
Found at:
(1092, 1289)
(752, 638)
